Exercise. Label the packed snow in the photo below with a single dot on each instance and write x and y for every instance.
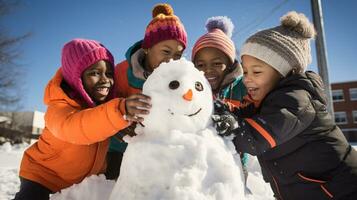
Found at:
(188, 160)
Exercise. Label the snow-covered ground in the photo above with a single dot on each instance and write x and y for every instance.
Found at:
(10, 157)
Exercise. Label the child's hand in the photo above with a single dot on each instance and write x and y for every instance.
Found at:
(225, 124)
(136, 105)
(224, 121)
(220, 107)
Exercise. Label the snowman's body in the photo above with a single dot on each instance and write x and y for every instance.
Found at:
(177, 154)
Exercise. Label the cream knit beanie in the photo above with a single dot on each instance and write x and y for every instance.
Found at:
(285, 47)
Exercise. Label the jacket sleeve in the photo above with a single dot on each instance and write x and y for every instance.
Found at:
(282, 116)
(86, 126)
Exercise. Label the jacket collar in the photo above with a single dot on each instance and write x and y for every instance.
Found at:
(54, 92)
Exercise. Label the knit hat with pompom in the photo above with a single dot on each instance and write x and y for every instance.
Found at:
(164, 26)
(219, 35)
(286, 47)
(77, 56)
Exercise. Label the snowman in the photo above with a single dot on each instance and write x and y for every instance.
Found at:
(177, 153)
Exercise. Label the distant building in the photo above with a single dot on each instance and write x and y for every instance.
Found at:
(344, 96)
(21, 125)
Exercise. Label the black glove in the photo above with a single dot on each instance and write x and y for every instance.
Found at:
(224, 121)
(220, 107)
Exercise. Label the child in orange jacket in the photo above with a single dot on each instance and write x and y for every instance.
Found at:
(81, 116)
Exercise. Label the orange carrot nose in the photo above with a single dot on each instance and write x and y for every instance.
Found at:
(188, 95)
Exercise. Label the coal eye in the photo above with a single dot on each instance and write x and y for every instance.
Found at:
(174, 85)
(198, 86)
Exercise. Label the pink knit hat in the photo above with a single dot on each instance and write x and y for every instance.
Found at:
(164, 26)
(219, 35)
(77, 56)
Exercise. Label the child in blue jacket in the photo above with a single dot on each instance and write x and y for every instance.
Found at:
(214, 53)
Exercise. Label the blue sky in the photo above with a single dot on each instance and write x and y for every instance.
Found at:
(119, 24)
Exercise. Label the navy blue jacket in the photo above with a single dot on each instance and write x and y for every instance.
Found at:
(302, 153)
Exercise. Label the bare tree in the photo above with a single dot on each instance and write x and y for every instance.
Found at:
(9, 69)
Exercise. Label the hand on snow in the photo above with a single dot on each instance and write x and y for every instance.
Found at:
(224, 121)
(136, 105)
(225, 124)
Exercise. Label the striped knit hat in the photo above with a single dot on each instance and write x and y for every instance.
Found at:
(285, 47)
(164, 26)
(77, 56)
(219, 35)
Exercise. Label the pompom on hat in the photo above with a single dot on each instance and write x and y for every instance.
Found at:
(286, 47)
(164, 26)
(77, 56)
(219, 33)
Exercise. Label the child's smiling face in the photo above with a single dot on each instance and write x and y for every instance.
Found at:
(259, 77)
(98, 80)
(214, 64)
(162, 52)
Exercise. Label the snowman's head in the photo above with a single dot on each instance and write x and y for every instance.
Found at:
(181, 98)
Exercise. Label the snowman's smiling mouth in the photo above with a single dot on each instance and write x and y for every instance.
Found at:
(199, 110)
(190, 115)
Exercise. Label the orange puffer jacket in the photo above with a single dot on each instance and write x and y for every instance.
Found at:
(74, 142)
